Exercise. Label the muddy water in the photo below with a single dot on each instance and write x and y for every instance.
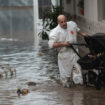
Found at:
(40, 68)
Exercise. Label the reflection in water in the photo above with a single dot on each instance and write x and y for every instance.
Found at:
(38, 99)
(77, 98)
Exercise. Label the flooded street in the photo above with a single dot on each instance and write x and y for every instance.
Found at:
(37, 71)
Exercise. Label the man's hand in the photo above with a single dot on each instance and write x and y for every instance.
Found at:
(83, 34)
(61, 44)
(66, 44)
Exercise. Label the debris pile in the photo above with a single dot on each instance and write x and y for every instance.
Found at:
(6, 71)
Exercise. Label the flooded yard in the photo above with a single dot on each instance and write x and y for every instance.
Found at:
(39, 67)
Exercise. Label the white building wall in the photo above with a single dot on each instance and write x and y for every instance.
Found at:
(91, 10)
(90, 22)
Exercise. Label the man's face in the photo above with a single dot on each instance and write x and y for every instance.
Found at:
(63, 23)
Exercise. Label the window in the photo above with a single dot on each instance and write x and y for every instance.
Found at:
(81, 7)
(103, 9)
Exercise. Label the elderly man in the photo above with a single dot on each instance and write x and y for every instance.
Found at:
(61, 37)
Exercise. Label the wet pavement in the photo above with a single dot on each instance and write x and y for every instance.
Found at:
(37, 71)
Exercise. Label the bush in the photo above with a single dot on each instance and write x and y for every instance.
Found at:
(50, 21)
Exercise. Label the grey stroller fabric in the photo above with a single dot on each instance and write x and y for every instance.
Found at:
(96, 58)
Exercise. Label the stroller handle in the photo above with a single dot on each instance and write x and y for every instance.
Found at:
(79, 44)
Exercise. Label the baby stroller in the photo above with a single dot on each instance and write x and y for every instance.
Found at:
(95, 59)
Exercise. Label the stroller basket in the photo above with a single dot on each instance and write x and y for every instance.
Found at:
(92, 62)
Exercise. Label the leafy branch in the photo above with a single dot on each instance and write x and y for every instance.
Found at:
(49, 20)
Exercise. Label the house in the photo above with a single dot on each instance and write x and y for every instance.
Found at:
(89, 15)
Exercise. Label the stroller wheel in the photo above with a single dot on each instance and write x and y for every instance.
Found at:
(98, 86)
(85, 78)
(98, 83)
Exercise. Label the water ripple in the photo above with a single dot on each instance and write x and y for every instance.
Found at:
(31, 65)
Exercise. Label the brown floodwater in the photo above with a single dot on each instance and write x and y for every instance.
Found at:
(37, 71)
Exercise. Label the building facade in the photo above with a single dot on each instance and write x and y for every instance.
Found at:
(90, 14)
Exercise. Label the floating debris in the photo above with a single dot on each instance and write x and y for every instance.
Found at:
(6, 71)
(22, 91)
(40, 54)
(1, 75)
(31, 83)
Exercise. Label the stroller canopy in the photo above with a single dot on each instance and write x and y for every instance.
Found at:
(96, 43)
